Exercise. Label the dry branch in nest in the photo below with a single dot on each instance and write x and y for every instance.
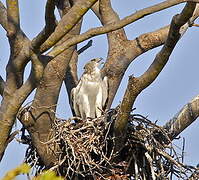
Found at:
(83, 147)
(86, 150)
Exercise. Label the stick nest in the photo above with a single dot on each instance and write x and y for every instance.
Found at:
(88, 149)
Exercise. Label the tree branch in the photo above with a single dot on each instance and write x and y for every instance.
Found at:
(63, 6)
(54, 73)
(71, 78)
(17, 40)
(187, 115)
(134, 48)
(19, 57)
(163, 56)
(116, 25)
(19, 43)
(2, 85)
(9, 108)
(50, 20)
(3, 15)
(68, 21)
(37, 67)
(47, 93)
(131, 49)
(14, 93)
(84, 48)
(117, 42)
(42, 114)
(108, 15)
(95, 9)
(13, 17)
(136, 85)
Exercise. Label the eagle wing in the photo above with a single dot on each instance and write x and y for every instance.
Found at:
(75, 98)
(104, 90)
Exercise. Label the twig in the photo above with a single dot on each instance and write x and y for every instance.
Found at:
(183, 148)
(81, 50)
(196, 25)
(49, 28)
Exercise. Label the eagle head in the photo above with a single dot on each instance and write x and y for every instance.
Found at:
(92, 65)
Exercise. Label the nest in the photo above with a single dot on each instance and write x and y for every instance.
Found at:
(83, 147)
(87, 149)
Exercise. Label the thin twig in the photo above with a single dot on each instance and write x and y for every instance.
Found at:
(84, 48)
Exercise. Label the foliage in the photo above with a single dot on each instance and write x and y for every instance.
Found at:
(48, 175)
(25, 169)
(22, 169)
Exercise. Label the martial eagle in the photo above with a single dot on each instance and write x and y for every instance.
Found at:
(90, 94)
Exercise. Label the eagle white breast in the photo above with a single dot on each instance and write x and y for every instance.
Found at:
(90, 95)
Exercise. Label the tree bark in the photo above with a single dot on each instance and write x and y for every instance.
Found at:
(136, 85)
(187, 115)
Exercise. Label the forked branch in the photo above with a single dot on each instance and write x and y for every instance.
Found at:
(9, 108)
(84, 48)
(117, 25)
(3, 15)
(68, 21)
(13, 17)
(49, 27)
(136, 85)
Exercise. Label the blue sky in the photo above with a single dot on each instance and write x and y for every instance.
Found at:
(176, 85)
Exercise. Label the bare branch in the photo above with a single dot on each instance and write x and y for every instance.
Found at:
(37, 67)
(13, 17)
(10, 107)
(63, 6)
(108, 15)
(84, 48)
(187, 115)
(136, 85)
(3, 15)
(35, 76)
(49, 27)
(156, 38)
(174, 35)
(68, 21)
(15, 92)
(46, 97)
(45, 103)
(117, 42)
(139, 46)
(95, 9)
(19, 44)
(196, 25)
(18, 54)
(116, 25)
(195, 14)
(194, 175)
(2, 85)
(71, 78)
(133, 49)
(19, 57)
